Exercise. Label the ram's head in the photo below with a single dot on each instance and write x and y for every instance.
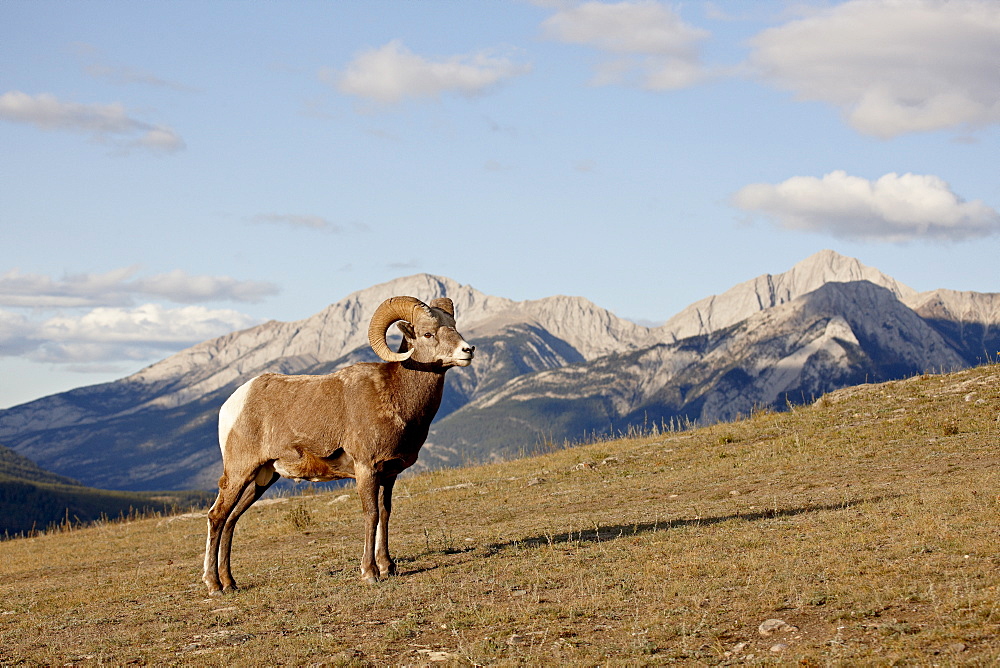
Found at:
(429, 334)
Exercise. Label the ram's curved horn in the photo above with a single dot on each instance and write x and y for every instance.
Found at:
(445, 305)
(388, 312)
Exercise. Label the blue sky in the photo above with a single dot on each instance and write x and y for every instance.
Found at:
(173, 171)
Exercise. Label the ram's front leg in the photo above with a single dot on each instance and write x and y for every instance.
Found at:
(368, 490)
(386, 565)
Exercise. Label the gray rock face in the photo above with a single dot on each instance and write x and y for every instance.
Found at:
(767, 291)
(969, 321)
(837, 335)
(546, 370)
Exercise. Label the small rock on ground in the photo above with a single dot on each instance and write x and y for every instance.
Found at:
(772, 626)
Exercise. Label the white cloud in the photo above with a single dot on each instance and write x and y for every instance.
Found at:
(178, 286)
(95, 320)
(652, 46)
(152, 323)
(38, 291)
(893, 208)
(159, 138)
(393, 73)
(120, 287)
(105, 123)
(15, 334)
(892, 66)
(111, 334)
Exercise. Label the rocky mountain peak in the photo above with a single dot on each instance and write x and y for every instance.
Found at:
(593, 331)
(770, 290)
(960, 306)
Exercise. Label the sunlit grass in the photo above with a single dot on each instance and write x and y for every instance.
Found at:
(866, 522)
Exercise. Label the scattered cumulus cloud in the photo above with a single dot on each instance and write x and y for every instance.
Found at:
(179, 286)
(109, 334)
(105, 123)
(892, 67)
(15, 334)
(893, 208)
(121, 287)
(647, 42)
(152, 324)
(90, 319)
(40, 291)
(392, 73)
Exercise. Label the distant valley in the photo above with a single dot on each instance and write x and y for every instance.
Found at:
(33, 499)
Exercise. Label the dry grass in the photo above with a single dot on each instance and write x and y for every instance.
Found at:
(867, 523)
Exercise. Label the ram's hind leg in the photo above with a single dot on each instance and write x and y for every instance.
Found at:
(228, 496)
(264, 478)
(236, 494)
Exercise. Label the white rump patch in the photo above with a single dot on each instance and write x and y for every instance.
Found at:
(231, 410)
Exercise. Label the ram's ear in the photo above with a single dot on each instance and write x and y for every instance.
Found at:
(407, 329)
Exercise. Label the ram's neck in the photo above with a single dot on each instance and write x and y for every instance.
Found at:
(419, 389)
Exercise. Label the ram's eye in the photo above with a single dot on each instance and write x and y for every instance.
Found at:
(428, 335)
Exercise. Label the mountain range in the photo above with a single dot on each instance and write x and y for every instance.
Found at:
(549, 370)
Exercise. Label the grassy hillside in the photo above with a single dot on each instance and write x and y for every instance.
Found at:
(27, 506)
(13, 465)
(866, 523)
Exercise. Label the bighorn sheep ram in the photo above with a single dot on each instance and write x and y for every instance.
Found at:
(366, 421)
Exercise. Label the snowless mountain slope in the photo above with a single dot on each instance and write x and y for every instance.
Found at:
(837, 335)
(546, 369)
(970, 321)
